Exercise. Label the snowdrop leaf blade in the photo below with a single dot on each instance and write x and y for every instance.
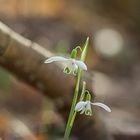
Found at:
(102, 105)
(81, 64)
(85, 48)
(55, 58)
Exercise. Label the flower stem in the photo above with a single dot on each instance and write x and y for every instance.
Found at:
(72, 115)
(83, 91)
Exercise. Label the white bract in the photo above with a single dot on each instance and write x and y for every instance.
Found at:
(85, 107)
(71, 64)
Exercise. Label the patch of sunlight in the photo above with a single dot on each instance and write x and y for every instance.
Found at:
(108, 42)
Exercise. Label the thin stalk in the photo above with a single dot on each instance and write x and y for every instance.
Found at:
(71, 116)
(83, 91)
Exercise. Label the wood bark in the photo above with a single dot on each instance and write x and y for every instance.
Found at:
(25, 59)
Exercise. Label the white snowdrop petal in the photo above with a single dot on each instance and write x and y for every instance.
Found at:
(70, 66)
(75, 66)
(88, 110)
(81, 64)
(80, 105)
(74, 69)
(83, 110)
(102, 105)
(55, 58)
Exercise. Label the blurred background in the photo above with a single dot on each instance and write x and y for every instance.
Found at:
(113, 60)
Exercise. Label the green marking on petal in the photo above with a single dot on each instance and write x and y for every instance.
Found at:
(66, 70)
(75, 72)
(87, 112)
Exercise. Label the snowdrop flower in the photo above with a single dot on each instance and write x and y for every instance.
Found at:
(71, 64)
(85, 107)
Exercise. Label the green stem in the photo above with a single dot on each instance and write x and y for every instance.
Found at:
(83, 91)
(71, 115)
(73, 118)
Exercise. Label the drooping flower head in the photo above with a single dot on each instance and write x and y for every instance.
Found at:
(71, 64)
(85, 106)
